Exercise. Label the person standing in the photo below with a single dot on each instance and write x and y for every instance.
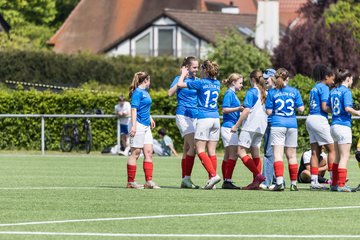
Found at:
(341, 103)
(231, 109)
(186, 114)
(140, 131)
(281, 103)
(122, 110)
(317, 124)
(208, 124)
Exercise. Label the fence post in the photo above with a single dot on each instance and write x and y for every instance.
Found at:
(118, 134)
(42, 135)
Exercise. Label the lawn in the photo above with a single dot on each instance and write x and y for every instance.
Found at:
(82, 196)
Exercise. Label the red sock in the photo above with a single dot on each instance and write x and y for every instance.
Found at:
(230, 168)
(131, 172)
(223, 168)
(342, 176)
(214, 161)
(293, 170)
(205, 160)
(314, 171)
(189, 160)
(335, 175)
(249, 163)
(183, 167)
(330, 167)
(148, 170)
(258, 164)
(279, 168)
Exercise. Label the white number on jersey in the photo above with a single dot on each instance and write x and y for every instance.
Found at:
(288, 104)
(335, 105)
(214, 93)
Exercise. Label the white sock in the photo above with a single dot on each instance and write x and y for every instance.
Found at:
(293, 182)
(279, 180)
(186, 177)
(314, 179)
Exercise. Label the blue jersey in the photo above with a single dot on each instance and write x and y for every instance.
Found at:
(318, 94)
(251, 98)
(207, 93)
(283, 103)
(230, 101)
(141, 100)
(186, 99)
(340, 98)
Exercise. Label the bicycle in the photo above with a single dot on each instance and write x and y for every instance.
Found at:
(72, 136)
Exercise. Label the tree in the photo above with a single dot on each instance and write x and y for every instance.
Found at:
(233, 54)
(64, 8)
(314, 42)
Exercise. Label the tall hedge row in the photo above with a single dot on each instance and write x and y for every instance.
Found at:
(24, 133)
(46, 67)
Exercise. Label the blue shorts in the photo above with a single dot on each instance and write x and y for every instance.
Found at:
(124, 129)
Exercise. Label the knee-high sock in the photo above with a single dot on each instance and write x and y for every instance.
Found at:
(148, 170)
(249, 163)
(293, 170)
(223, 168)
(279, 168)
(258, 164)
(183, 167)
(230, 168)
(131, 172)
(189, 164)
(205, 160)
(335, 176)
(342, 172)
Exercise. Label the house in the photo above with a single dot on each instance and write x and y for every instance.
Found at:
(4, 26)
(151, 27)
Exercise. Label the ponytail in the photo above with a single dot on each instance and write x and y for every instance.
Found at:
(210, 68)
(260, 83)
(232, 78)
(280, 77)
(138, 78)
(342, 75)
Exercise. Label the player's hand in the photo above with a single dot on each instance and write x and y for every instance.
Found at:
(132, 131)
(152, 123)
(234, 129)
(184, 71)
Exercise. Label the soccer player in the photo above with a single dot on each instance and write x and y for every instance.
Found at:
(281, 103)
(231, 108)
(208, 124)
(341, 103)
(186, 114)
(122, 110)
(304, 172)
(140, 131)
(317, 123)
(254, 122)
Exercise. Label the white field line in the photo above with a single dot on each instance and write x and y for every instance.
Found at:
(177, 215)
(53, 188)
(180, 235)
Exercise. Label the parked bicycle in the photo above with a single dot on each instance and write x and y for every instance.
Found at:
(72, 136)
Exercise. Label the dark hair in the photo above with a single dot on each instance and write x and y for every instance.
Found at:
(320, 72)
(257, 75)
(211, 68)
(138, 78)
(342, 75)
(162, 131)
(280, 77)
(188, 60)
(232, 78)
(121, 98)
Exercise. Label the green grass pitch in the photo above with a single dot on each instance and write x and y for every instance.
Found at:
(80, 196)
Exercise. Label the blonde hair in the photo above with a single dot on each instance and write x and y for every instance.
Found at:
(138, 78)
(280, 77)
(211, 68)
(260, 83)
(232, 78)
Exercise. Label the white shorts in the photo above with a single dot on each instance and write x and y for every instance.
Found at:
(185, 124)
(319, 130)
(229, 138)
(142, 136)
(282, 136)
(208, 129)
(341, 134)
(249, 139)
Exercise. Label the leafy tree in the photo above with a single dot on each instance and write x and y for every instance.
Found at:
(233, 54)
(314, 42)
(64, 8)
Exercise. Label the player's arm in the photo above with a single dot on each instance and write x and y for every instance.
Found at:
(171, 146)
(172, 90)
(242, 118)
(133, 122)
(184, 73)
(230, 110)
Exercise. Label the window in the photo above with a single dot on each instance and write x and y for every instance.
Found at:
(142, 46)
(166, 42)
(188, 45)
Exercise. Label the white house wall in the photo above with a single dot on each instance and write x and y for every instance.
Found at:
(122, 49)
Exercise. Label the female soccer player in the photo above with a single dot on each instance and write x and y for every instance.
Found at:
(208, 124)
(254, 122)
(140, 131)
(231, 108)
(186, 114)
(342, 107)
(281, 103)
(317, 123)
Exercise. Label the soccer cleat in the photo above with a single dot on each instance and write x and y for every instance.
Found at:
(187, 183)
(151, 185)
(293, 188)
(256, 183)
(357, 188)
(229, 185)
(212, 181)
(318, 187)
(345, 189)
(333, 188)
(134, 185)
(278, 187)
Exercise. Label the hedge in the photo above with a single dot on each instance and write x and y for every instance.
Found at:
(21, 133)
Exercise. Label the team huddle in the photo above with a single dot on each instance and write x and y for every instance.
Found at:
(268, 114)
